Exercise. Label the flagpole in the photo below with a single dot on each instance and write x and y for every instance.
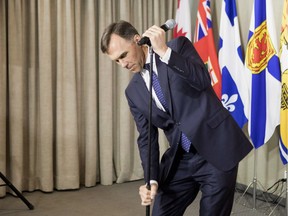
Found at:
(256, 181)
(255, 178)
(254, 184)
(286, 191)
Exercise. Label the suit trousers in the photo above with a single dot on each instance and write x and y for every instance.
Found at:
(189, 174)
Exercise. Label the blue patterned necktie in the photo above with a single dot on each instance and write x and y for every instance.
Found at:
(185, 142)
(157, 87)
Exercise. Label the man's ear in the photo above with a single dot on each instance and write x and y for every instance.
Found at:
(137, 38)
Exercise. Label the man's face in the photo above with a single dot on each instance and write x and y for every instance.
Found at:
(127, 53)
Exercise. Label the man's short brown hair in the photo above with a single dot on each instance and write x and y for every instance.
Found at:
(122, 28)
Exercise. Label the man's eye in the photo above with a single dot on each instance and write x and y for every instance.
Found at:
(123, 55)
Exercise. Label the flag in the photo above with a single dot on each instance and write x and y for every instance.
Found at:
(235, 94)
(183, 20)
(205, 46)
(284, 97)
(265, 76)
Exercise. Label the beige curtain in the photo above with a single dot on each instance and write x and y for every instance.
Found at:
(64, 119)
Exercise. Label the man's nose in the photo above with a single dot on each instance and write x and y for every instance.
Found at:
(122, 63)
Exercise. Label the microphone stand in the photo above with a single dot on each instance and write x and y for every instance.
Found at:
(149, 127)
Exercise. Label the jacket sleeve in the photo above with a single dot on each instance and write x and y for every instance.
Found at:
(142, 125)
(186, 62)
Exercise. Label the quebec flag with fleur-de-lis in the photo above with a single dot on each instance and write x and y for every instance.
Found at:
(235, 94)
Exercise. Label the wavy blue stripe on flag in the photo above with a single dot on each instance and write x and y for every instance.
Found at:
(274, 67)
(235, 94)
(283, 152)
(258, 109)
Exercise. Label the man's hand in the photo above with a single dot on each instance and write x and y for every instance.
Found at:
(157, 39)
(146, 195)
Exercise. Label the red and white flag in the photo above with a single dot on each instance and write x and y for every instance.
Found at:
(183, 20)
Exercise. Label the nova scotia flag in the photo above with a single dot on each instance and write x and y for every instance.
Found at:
(263, 65)
(235, 94)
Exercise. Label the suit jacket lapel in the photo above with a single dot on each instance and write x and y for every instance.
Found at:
(145, 94)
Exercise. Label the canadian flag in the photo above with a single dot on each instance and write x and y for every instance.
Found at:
(183, 20)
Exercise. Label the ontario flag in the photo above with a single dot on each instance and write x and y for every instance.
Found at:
(284, 97)
(204, 44)
(183, 20)
(263, 66)
(235, 94)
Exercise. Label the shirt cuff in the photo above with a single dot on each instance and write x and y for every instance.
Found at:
(153, 182)
(166, 56)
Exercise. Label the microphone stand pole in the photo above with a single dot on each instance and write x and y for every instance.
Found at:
(150, 126)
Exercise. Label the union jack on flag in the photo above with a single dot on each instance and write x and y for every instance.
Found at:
(205, 46)
(204, 20)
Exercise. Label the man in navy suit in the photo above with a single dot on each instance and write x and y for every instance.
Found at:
(190, 113)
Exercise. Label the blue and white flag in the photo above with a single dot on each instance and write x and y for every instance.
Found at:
(235, 94)
(263, 65)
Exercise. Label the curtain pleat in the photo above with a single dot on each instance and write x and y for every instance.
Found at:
(3, 91)
(88, 96)
(46, 58)
(17, 94)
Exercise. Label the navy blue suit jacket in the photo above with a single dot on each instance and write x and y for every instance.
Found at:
(193, 109)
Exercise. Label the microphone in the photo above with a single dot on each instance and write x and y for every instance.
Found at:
(169, 24)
